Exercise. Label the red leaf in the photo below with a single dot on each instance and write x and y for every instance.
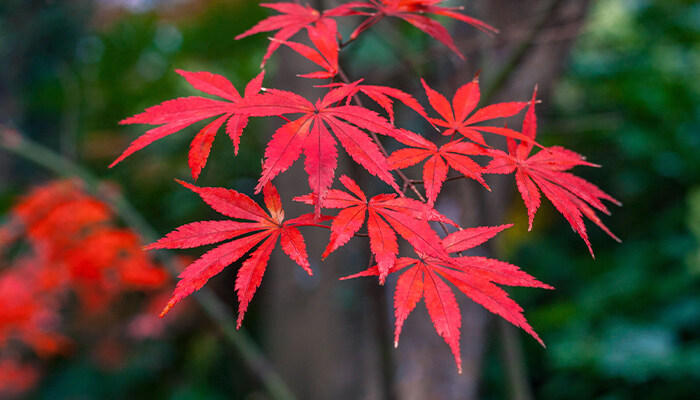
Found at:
(265, 229)
(471, 237)
(409, 291)
(382, 242)
(210, 264)
(175, 115)
(229, 202)
(293, 245)
(572, 196)
(455, 118)
(454, 153)
(413, 11)
(251, 273)
(474, 276)
(211, 83)
(386, 214)
(345, 225)
(323, 35)
(202, 233)
(284, 148)
(201, 145)
(310, 133)
(444, 312)
(293, 19)
(321, 160)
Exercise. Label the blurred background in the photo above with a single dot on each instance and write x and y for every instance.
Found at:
(620, 83)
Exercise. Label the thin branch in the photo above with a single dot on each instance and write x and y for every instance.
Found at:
(251, 355)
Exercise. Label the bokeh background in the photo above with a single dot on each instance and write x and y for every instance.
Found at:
(620, 83)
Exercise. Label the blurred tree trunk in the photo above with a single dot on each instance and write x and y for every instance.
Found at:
(327, 337)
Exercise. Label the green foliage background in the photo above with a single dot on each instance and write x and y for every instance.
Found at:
(627, 325)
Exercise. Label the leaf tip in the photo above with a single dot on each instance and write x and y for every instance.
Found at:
(167, 308)
(187, 185)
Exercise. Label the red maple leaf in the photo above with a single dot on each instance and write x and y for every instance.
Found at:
(454, 154)
(311, 134)
(294, 18)
(259, 227)
(386, 214)
(413, 12)
(456, 117)
(177, 114)
(474, 276)
(323, 35)
(572, 196)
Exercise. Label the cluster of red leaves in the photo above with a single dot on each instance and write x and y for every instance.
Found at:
(314, 128)
(59, 241)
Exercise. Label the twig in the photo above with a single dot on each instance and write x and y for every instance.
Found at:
(12, 142)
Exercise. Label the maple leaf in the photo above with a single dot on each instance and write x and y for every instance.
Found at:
(177, 114)
(474, 276)
(413, 12)
(294, 18)
(311, 134)
(454, 154)
(572, 196)
(261, 228)
(323, 36)
(456, 117)
(385, 214)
